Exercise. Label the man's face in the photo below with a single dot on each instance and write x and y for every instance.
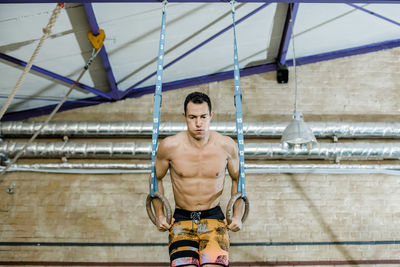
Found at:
(198, 119)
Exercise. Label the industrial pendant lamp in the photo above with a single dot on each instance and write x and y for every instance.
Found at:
(297, 134)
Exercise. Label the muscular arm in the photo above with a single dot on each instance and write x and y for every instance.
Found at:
(233, 170)
(161, 166)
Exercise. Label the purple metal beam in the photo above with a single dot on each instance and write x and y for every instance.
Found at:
(55, 75)
(45, 110)
(203, 79)
(287, 32)
(272, 66)
(375, 14)
(21, 115)
(206, 1)
(209, 78)
(115, 93)
(132, 88)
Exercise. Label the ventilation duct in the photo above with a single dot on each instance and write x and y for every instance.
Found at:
(113, 168)
(263, 151)
(251, 129)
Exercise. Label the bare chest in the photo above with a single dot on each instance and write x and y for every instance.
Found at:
(200, 163)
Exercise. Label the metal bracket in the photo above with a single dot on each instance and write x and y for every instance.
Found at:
(10, 189)
(4, 159)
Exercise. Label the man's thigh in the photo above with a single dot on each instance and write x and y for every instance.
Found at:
(183, 245)
(214, 243)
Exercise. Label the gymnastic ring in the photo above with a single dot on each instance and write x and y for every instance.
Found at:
(166, 207)
(231, 203)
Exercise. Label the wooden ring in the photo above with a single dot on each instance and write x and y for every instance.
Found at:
(231, 203)
(166, 207)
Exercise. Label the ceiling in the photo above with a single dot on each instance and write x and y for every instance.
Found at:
(199, 44)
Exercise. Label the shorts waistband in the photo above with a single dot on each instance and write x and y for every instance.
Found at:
(214, 213)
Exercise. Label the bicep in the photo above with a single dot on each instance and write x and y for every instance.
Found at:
(162, 161)
(233, 169)
(233, 161)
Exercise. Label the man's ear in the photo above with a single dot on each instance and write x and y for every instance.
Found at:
(184, 115)
(211, 114)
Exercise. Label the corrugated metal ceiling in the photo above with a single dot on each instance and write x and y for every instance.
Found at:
(132, 31)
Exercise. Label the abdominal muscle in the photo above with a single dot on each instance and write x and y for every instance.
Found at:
(197, 174)
(197, 193)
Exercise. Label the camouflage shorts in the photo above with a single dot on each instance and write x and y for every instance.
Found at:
(204, 242)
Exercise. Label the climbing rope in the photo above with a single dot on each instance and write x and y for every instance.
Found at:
(46, 33)
(95, 52)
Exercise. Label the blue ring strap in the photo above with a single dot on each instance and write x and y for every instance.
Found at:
(239, 118)
(157, 105)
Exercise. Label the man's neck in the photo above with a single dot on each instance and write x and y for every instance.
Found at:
(199, 143)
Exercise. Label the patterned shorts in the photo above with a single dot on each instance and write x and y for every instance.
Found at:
(199, 241)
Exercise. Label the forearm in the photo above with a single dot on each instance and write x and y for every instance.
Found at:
(238, 208)
(157, 204)
(239, 204)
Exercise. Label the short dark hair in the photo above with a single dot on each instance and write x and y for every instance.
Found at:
(197, 98)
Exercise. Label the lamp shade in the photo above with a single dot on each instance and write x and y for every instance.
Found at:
(297, 132)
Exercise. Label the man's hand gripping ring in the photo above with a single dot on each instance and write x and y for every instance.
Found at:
(166, 207)
(231, 203)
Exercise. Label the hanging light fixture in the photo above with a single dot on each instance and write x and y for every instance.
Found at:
(297, 134)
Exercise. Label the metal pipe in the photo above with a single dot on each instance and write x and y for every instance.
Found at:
(259, 151)
(93, 168)
(325, 151)
(323, 168)
(78, 150)
(144, 129)
(112, 168)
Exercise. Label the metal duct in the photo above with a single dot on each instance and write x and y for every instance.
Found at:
(112, 168)
(265, 151)
(94, 168)
(251, 129)
(326, 151)
(78, 150)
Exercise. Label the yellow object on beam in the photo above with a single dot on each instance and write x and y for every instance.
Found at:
(98, 40)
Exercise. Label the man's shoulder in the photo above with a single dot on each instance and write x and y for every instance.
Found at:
(225, 141)
(222, 138)
(167, 146)
(172, 141)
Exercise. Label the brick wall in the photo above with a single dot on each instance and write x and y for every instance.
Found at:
(315, 218)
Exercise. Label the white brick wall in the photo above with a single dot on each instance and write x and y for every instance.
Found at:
(303, 208)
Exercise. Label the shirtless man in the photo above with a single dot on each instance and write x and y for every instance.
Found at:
(197, 159)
